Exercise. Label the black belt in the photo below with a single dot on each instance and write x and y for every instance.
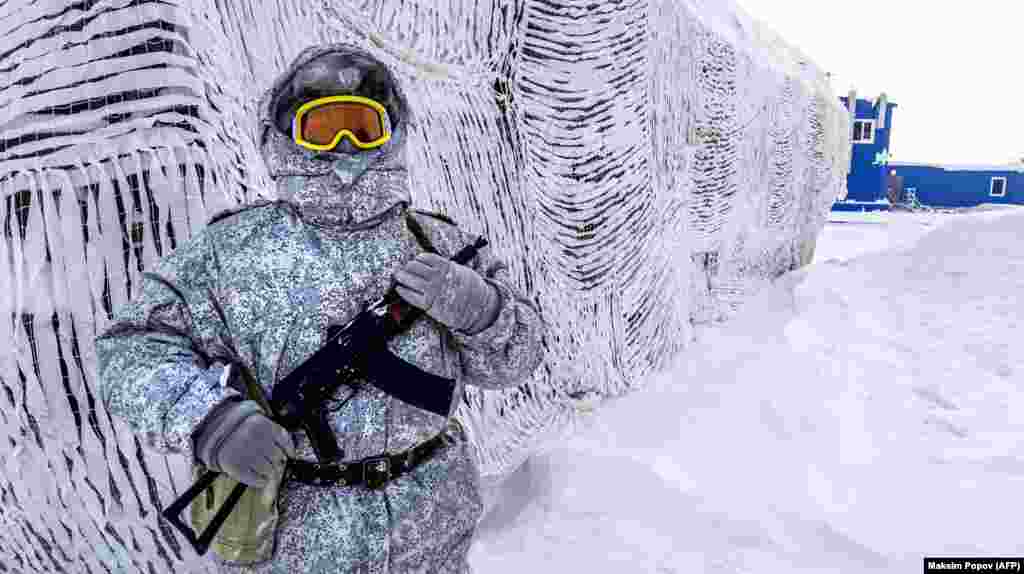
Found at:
(374, 471)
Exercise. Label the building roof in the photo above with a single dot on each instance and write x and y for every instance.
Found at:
(873, 102)
(961, 167)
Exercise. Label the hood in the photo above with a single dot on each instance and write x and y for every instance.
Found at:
(347, 188)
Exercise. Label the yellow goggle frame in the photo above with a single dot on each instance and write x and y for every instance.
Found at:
(305, 108)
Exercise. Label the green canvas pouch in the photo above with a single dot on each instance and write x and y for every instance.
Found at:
(247, 536)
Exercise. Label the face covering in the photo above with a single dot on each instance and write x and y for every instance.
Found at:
(349, 168)
(345, 191)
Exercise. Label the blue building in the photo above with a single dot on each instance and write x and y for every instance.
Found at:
(957, 186)
(877, 184)
(867, 183)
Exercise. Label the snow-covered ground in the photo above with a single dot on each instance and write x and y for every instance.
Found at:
(864, 412)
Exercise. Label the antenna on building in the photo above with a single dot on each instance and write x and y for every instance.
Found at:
(851, 104)
(883, 102)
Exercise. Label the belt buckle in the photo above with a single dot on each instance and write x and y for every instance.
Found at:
(376, 472)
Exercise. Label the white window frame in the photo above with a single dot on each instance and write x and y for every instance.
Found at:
(992, 187)
(862, 140)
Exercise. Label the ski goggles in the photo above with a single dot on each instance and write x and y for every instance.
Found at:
(320, 124)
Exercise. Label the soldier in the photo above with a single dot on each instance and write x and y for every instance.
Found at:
(257, 291)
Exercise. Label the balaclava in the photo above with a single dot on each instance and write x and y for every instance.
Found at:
(345, 188)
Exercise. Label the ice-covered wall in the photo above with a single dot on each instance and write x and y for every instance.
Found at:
(643, 165)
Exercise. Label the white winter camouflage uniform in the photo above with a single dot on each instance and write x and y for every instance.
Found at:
(282, 273)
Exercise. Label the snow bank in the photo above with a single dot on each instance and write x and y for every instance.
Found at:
(861, 414)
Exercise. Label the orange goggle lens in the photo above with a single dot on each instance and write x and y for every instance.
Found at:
(320, 124)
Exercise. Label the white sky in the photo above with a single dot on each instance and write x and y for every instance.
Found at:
(955, 68)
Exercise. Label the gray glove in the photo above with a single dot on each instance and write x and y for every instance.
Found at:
(453, 294)
(236, 438)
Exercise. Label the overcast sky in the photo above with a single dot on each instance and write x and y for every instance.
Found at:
(955, 68)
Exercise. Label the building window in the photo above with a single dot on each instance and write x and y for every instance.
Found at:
(864, 131)
(998, 187)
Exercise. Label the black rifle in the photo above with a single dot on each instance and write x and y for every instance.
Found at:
(356, 351)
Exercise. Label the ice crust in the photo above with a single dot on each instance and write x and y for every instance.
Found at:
(642, 166)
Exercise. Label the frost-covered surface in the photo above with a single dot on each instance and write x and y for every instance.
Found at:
(643, 166)
(863, 413)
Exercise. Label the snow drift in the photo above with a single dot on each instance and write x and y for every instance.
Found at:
(861, 414)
